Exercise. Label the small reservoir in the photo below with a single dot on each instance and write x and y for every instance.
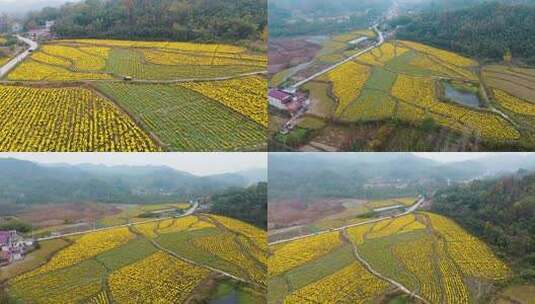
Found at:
(462, 94)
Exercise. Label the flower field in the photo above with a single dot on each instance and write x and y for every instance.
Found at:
(404, 81)
(420, 92)
(347, 81)
(70, 60)
(353, 284)
(158, 278)
(127, 264)
(427, 253)
(289, 255)
(65, 119)
(185, 120)
(244, 95)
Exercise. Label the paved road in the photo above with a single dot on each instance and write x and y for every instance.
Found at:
(409, 210)
(381, 41)
(20, 57)
(189, 212)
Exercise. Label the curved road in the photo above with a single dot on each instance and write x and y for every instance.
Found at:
(20, 57)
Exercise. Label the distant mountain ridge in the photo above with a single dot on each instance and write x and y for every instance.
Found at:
(25, 182)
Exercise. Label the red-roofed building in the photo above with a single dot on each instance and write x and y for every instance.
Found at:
(283, 100)
(12, 247)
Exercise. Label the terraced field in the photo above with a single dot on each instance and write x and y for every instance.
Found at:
(426, 253)
(186, 97)
(65, 60)
(163, 261)
(408, 82)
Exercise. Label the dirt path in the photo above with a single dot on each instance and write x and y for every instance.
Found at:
(376, 273)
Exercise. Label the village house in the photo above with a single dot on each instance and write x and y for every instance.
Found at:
(13, 247)
(287, 101)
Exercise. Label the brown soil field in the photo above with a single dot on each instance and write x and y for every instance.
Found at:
(288, 52)
(296, 212)
(518, 82)
(57, 214)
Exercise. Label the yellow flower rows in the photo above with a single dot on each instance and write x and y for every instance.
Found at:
(406, 201)
(68, 286)
(513, 103)
(255, 234)
(455, 290)
(419, 91)
(381, 55)
(82, 60)
(292, 254)
(184, 46)
(102, 52)
(158, 278)
(399, 224)
(174, 58)
(225, 247)
(418, 258)
(65, 119)
(244, 95)
(33, 70)
(83, 248)
(100, 298)
(370, 107)
(443, 55)
(473, 256)
(357, 234)
(53, 60)
(352, 284)
(347, 82)
(182, 224)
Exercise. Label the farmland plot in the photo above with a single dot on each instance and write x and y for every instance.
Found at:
(124, 265)
(185, 120)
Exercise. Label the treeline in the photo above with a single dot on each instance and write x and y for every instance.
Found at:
(499, 211)
(179, 20)
(249, 205)
(488, 31)
(25, 183)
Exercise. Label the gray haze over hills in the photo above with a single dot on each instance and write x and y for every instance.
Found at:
(21, 7)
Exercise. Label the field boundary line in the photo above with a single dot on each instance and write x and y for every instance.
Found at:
(367, 265)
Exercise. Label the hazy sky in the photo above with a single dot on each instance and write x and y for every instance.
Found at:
(196, 163)
(456, 156)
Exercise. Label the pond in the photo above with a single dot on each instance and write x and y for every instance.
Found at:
(463, 96)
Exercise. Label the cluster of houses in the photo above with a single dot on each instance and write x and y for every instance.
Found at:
(13, 247)
(285, 100)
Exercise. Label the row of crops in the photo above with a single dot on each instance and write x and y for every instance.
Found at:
(427, 253)
(162, 261)
(401, 80)
(67, 60)
(207, 116)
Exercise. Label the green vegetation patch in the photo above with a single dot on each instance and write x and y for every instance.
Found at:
(180, 243)
(294, 138)
(72, 284)
(321, 267)
(322, 103)
(401, 64)
(381, 79)
(185, 120)
(132, 252)
(378, 252)
(130, 62)
(277, 289)
(371, 105)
